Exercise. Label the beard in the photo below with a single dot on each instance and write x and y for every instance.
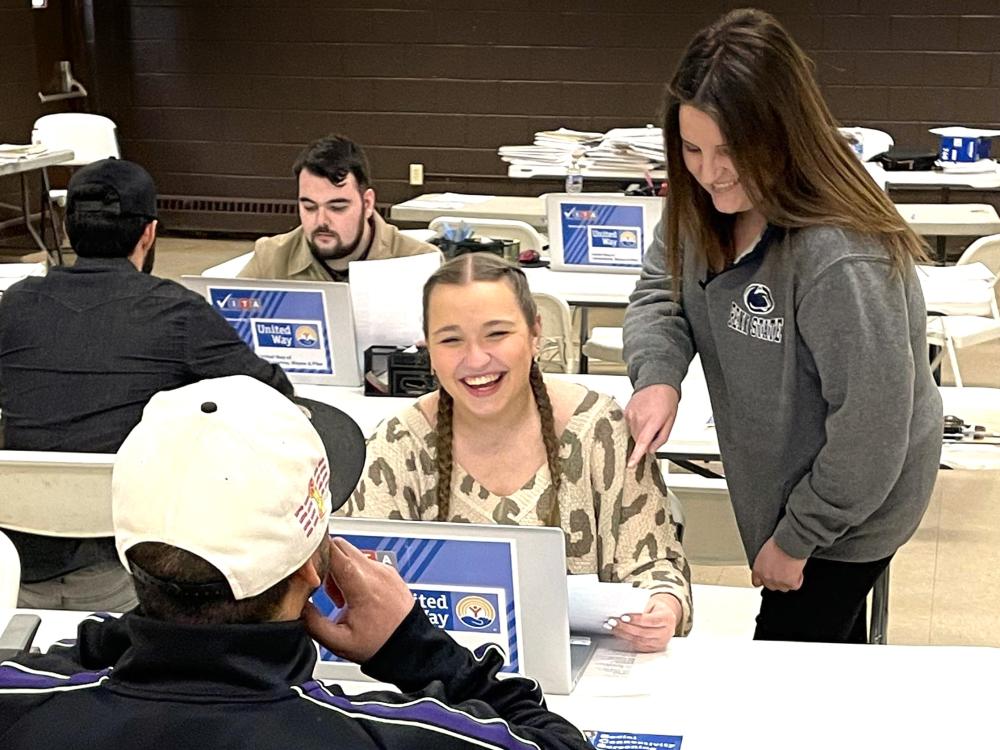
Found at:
(150, 259)
(339, 250)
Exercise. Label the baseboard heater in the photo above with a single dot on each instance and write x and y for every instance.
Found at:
(227, 215)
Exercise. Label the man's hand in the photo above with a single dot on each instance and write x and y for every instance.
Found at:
(651, 630)
(776, 570)
(374, 600)
(650, 415)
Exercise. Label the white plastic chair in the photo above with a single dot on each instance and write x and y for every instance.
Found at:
(954, 332)
(90, 138)
(10, 572)
(605, 344)
(557, 350)
(57, 494)
(497, 229)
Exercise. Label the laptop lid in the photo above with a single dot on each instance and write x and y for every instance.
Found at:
(484, 584)
(606, 233)
(306, 327)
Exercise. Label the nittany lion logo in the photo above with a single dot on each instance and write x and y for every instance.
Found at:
(475, 612)
(757, 299)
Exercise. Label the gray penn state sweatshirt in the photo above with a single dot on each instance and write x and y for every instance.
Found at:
(815, 354)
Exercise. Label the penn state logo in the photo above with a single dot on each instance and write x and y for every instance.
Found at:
(475, 612)
(306, 336)
(757, 299)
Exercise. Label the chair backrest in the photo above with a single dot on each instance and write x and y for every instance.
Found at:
(90, 137)
(710, 533)
(557, 348)
(498, 229)
(228, 269)
(985, 250)
(10, 572)
(56, 494)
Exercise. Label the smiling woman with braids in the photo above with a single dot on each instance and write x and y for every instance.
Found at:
(498, 444)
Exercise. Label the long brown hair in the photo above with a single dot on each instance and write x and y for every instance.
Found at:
(460, 271)
(747, 73)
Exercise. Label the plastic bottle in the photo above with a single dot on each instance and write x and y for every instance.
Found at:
(574, 180)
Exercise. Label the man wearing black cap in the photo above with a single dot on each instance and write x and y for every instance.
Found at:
(84, 348)
(221, 498)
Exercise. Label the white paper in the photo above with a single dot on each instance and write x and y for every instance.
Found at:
(592, 602)
(958, 131)
(614, 672)
(387, 297)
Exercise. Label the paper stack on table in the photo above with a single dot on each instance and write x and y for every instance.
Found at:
(618, 149)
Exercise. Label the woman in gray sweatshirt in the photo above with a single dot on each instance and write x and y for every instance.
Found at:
(791, 273)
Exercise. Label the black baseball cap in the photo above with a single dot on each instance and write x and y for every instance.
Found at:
(112, 187)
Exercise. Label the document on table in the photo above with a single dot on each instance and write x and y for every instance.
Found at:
(614, 671)
(448, 201)
(387, 299)
(592, 602)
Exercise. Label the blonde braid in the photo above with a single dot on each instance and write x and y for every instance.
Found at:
(444, 460)
(549, 437)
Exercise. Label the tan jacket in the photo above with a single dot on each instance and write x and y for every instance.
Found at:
(287, 256)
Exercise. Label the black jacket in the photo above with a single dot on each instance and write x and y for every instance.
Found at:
(142, 683)
(81, 352)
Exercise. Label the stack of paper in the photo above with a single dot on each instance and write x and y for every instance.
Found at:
(632, 149)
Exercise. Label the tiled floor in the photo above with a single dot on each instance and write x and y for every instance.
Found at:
(945, 583)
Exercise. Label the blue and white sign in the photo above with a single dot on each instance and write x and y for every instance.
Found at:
(629, 741)
(285, 327)
(600, 234)
(466, 586)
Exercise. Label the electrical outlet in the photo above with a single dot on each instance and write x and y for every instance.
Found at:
(416, 174)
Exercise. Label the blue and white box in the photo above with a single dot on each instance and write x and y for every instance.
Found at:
(961, 144)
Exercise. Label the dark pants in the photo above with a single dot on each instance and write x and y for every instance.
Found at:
(831, 606)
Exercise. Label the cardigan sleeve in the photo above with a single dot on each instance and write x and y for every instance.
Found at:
(637, 534)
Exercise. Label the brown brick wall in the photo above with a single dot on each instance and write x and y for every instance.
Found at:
(19, 104)
(217, 98)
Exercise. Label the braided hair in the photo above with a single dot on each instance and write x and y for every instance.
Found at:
(466, 269)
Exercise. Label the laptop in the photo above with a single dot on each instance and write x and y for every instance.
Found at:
(306, 327)
(484, 584)
(599, 232)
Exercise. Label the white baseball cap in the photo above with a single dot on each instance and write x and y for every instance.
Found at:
(231, 470)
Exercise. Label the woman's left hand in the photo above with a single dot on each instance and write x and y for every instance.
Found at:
(775, 569)
(653, 628)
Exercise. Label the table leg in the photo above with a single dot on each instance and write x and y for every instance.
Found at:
(53, 218)
(26, 210)
(584, 325)
(942, 250)
(879, 626)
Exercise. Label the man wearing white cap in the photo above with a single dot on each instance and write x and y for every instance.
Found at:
(221, 499)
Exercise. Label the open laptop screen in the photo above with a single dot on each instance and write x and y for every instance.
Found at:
(305, 327)
(600, 232)
(484, 584)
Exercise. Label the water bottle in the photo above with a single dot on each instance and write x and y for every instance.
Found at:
(574, 180)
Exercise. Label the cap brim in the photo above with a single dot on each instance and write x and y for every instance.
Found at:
(345, 447)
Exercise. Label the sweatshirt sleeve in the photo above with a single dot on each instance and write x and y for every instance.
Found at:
(657, 337)
(638, 534)
(398, 478)
(854, 321)
(449, 691)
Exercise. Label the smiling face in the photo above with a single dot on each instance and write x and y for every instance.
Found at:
(334, 217)
(707, 158)
(480, 345)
